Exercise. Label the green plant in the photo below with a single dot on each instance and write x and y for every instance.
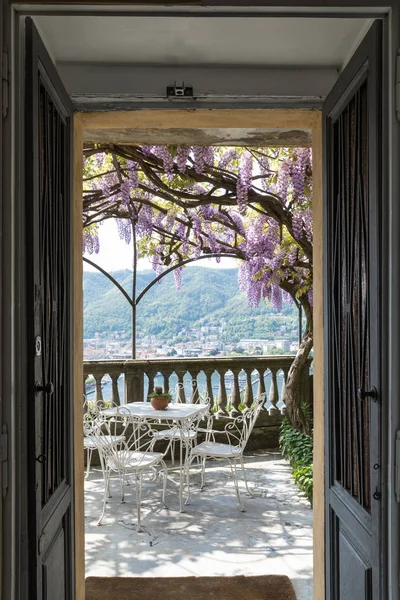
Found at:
(158, 393)
(297, 449)
(303, 477)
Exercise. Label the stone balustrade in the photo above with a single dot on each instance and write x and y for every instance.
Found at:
(229, 382)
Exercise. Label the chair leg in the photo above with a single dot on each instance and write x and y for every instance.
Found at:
(105, 495)
(173, 453)
(203, 472)
(235, 481)
(165, 472)
(189, 462)
(89, 459)
(122, 484)
(245, 478)
(138, 481)
(103, 470)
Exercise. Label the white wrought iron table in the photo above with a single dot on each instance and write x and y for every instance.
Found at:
(177, 415)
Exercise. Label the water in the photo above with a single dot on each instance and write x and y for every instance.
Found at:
(187, 380)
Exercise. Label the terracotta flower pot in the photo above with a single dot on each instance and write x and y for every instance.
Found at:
(159, 403)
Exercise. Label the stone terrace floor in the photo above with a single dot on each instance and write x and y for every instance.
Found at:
(212, 536)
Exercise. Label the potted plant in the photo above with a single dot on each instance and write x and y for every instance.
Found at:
(158, 399)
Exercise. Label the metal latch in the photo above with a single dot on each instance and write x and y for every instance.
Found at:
(5, 83)
(179, 91)
(397, 468)
(397, 89)
(4, 460)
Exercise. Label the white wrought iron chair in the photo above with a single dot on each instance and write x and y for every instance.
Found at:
(237, 433)
(92, 429)
(134, 456)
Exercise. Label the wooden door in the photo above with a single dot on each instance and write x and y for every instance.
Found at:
(48, 129)
(353, 333)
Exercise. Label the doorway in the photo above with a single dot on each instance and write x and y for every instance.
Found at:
(106, 126)
(156, 119)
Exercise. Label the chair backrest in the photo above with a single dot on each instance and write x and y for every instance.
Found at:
(239, 429)
(92, 413)
(134, 435)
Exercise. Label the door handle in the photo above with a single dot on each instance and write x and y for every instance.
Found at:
(363, 394)
(47, 388)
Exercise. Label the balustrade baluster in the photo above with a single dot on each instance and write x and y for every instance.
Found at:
(85, 404)
(151, 376)
(181, 396)
(222, 396)
(261, 382)
(98, 397)
(285, 373)
(85, 377)
(166, 375)
(248, 390)
(235, 398)
(209, 389)
(273, 393)
(114, 389)
(194, 396)
(133, 385)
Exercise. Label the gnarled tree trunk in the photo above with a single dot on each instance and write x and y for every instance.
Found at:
(295, 380)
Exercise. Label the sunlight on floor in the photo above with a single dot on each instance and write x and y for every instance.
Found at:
(212, 537)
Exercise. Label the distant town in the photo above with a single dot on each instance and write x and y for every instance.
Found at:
(203, 341)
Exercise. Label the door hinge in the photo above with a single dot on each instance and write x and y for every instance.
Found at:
(397, 468)
(5, 83)
(4, 460)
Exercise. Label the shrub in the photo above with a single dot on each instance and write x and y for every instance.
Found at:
(303, 477)
(297, 449)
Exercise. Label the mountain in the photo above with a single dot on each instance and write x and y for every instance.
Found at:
(207, 296)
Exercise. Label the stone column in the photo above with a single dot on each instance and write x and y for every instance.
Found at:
(285, 373)
(248, 390)
(115, 392)
(235, 399)
(99, 392)
(273, 393)
(181, 396)
(209, 389)
(222, 396)
(194, 396)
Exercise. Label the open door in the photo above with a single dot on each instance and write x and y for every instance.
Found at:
(353, 334)
(48, 129)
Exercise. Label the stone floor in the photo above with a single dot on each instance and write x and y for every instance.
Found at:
(212, 536)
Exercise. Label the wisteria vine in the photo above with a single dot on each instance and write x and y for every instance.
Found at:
(184, 202)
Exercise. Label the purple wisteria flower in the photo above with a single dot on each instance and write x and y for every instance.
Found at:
(181, 157)
(244, 182)
(178, 277)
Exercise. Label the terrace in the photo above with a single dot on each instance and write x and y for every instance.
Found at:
(212, 536)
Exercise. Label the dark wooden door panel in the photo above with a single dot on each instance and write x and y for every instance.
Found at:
(354, 569)
(49, 292)
(352, 231)
(53, 569)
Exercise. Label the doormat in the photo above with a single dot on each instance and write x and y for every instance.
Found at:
(266, 587)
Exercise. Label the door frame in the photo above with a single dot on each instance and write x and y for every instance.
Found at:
(310, 120)
(13, 287)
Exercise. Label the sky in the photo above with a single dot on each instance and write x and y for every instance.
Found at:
(116, 255)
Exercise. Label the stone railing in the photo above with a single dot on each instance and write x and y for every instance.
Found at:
(231, 383)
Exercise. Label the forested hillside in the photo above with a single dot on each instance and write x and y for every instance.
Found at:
(207, 296)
